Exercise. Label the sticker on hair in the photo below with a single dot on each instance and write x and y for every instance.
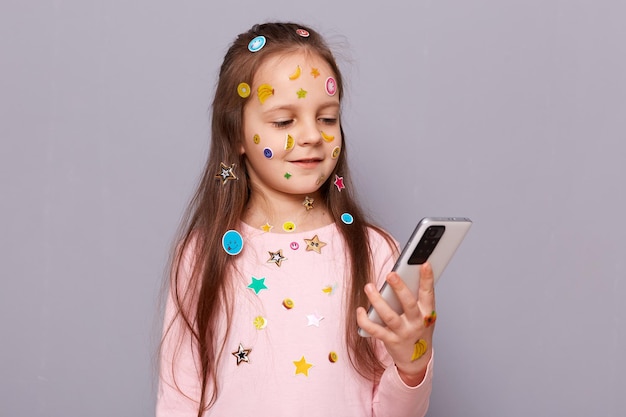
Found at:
(296, 74)
(303, 32)
(226, 173)
(264, 92)
(331, 86)
(243, 89)
(257, 43)
(347, 218)
(339, 182)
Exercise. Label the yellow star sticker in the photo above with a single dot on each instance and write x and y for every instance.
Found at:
(302, 367)
(315, 72)
(267, 227)
(314, 244)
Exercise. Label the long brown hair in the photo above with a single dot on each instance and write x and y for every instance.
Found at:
(204, 296)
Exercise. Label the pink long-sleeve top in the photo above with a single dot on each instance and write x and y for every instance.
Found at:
(285, 354)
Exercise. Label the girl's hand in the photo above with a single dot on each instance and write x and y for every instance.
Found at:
(408, 337)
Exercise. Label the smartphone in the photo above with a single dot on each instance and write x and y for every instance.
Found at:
(435, 239)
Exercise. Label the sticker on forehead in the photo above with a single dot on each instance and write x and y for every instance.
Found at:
(303, 32)
(257, 43)
(296, 74)
(336, 152)
(264, 92)
(331, 86)
(289, 142)
(315, 72)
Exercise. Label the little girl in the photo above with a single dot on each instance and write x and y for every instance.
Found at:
(276, 262)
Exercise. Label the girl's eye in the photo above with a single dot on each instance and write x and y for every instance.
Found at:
(282, 123)
(328, 120)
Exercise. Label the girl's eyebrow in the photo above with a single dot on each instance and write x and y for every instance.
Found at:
(330, 104)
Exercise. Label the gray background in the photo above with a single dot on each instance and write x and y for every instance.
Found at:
(509, 112)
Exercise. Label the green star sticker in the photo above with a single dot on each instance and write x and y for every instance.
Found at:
(287, 175)
(257, 285)
(301, 93)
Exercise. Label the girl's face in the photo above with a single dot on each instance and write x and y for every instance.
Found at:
(291, 125)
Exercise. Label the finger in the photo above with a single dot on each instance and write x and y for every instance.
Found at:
(405, 296)
(373, 329)
(426, 294)
(388, 315)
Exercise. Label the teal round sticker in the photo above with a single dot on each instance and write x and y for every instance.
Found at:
(347, 218)
(232, 242)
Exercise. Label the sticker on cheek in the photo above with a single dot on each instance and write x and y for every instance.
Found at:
(336, 152)
(256, 139)
(289, 142)
(267, 152)
(326, 137)
(287, 175)
(331, 86)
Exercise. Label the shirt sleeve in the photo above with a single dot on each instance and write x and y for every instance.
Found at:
(392, 397)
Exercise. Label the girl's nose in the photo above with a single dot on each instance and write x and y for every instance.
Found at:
(309, 135)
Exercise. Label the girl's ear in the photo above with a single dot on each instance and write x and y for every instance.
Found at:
(241, 149)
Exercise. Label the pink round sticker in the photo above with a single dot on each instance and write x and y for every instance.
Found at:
(331, 86)
(303, 32)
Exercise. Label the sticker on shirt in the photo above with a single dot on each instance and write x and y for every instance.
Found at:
(276, 257)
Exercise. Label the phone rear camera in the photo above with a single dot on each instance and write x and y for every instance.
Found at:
(426, 245)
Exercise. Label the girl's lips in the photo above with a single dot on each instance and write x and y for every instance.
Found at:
(307, 163)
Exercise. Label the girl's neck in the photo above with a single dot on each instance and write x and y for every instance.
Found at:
(287, 214)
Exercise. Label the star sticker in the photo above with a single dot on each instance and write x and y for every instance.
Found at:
(314, 319)
(315, 72)
(301, 93)
(302, 367)
(267, 227)
(276, 257)
(257, 285)
(314, 244)
(226, 173)
(242, 354)
(308, 202)
(287, 175)
(339, 182)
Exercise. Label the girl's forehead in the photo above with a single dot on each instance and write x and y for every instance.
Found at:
(281, 62)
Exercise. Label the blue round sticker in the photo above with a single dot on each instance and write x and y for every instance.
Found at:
(232, 242)
(256, 44)
(347, 218)
(268, 153)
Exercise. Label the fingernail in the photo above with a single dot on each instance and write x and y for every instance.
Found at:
(392, 279)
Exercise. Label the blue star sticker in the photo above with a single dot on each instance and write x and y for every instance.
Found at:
(257, 285)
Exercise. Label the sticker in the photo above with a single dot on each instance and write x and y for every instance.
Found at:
(314, 244)
(243, 89)
(289, 226)
(257, 285)
(267, 152)
(260, 322)
(289, 142)
(329, 289)
(419, 349)
(302, 367)
(257, 43)
(288, 303)
(430, 319)
(287, 175)
(242, 354)
(301, 93)
(339, 182)
(347, 218)
(333, 357)
(320, 179)
(232, 242)
(336, 152)
(303, 32)
(264, 92)
(226, 173)
(256, 139)
(315, 72)
(331, 86)
(308, 203)
(276, 257)
(294, 245)
(266, 227)
(327, 138)
(314, 319)
(296, 74)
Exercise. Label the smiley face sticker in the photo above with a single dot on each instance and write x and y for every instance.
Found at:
(232, 242)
